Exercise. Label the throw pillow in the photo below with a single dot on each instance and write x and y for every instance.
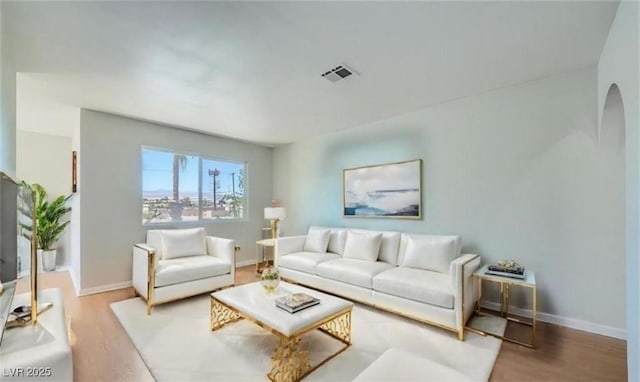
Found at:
(336, 241)
(317, 240)
(183, 242)
(362, 245)
(389, 247)
(430, 253)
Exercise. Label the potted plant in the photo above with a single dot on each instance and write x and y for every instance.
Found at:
(50, 223)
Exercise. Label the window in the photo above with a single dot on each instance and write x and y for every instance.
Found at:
(178, 187)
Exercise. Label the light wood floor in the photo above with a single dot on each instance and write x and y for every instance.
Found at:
(102, 351)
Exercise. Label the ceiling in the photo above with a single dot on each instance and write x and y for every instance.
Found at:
(251, 71)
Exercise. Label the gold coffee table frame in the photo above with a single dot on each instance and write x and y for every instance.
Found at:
(290, 362)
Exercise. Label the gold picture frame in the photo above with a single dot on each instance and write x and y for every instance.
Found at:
(390, 190)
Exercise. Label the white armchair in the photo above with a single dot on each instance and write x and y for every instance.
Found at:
(175, 264)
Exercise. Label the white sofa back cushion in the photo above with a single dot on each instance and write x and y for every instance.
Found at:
(183, 242)
(317, 240)
(337, 240)
(434, 253)
(389, 247)
(362, 245)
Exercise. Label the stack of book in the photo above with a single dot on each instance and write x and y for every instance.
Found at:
(296, 302)
(517, 271)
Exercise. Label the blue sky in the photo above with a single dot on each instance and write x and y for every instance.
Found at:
(157, 173)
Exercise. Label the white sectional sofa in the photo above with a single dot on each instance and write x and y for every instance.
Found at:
(423, 277)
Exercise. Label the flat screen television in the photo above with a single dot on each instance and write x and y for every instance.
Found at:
(8, 246)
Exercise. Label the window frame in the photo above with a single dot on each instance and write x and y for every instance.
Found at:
(200, 221)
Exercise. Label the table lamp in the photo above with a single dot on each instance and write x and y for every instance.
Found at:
(275, 214)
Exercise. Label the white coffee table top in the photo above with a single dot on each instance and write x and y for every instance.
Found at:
(252, 301)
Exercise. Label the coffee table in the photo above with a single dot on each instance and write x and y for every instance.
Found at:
(289, 361)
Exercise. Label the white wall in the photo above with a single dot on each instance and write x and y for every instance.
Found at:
(619, 64)
(3, 127)
(111, 191)
(517, 172)
(46, 159)
(75, 228)
(8, 104)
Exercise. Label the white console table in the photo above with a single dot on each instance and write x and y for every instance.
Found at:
(38, 352)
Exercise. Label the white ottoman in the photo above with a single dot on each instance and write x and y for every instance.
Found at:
(399, 365)
(41, 352)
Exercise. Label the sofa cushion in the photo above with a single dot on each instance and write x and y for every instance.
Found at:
(180, 270)
(434, 253)
(404, 239)
(317, 240)
(389, 247)
(416, 284)
(305, 261)
(337, 240)
(183, 242)
(362, 245)
(352, 271)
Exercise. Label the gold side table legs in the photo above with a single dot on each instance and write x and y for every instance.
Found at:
(505, 291)
(262, 248)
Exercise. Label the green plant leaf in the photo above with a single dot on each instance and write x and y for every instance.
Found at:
(50, 217)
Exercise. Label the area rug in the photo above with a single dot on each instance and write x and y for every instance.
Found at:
(176, 344)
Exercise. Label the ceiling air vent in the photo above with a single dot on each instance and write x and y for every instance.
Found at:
(338, 73)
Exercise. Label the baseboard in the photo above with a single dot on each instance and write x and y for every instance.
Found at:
(59, 268)
(75, 281)
(62, 268)
(105, 288)
(574, 323)
(244, 263)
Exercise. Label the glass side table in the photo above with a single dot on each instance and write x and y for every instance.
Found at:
(262, 247)
(506, 283)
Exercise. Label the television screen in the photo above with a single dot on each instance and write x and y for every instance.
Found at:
(8, 245)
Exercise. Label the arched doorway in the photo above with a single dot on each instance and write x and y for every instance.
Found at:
(612, 135)
(612, 128)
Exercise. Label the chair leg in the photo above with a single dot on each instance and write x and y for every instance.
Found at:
(149, 306)
(461, 334)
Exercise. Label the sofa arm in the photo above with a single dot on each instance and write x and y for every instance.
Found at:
(144, 267)
(287, 245)
(461, 271)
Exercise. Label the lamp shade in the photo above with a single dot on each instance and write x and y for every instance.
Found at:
(275, 213)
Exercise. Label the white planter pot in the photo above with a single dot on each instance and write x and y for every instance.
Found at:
(48, 259)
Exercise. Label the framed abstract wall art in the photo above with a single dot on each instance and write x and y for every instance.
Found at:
(390, 190)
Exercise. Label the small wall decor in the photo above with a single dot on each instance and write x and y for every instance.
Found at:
(74, 171)
(390, 190)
